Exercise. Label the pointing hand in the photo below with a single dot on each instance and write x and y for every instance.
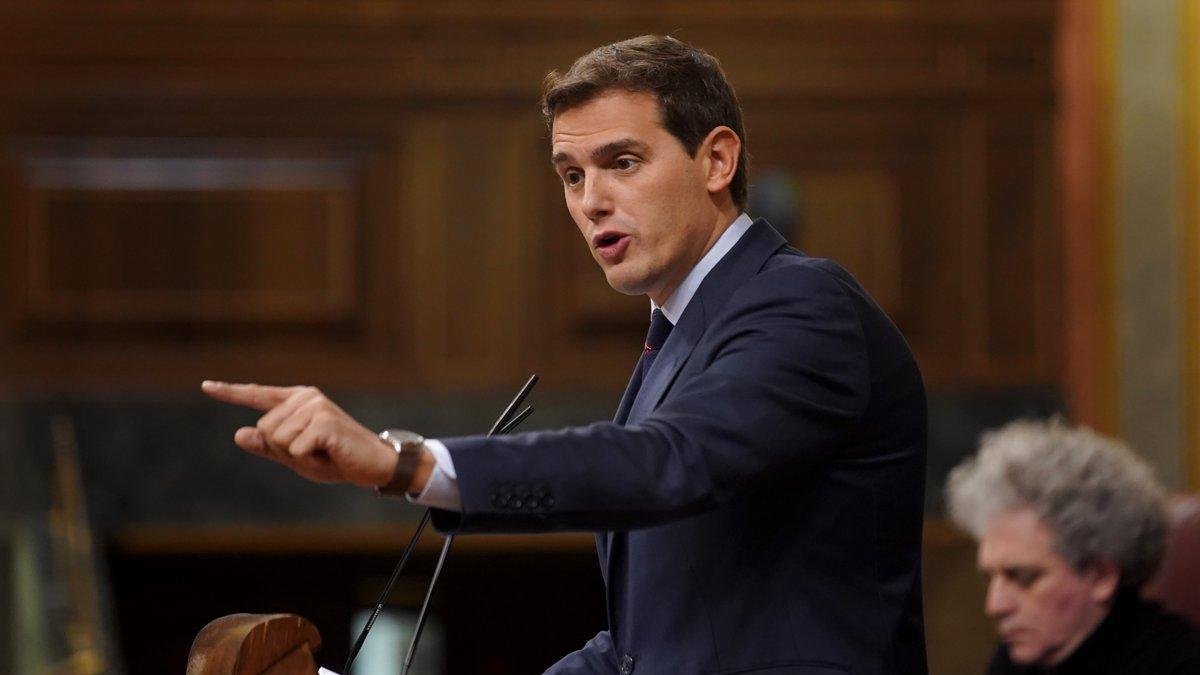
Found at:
(308, 433)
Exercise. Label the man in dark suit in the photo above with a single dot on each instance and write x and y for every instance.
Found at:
(758, 498)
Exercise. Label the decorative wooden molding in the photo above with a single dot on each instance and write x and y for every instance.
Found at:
(356, 539)
(315, 538)
(1085, 46)
(394, 50)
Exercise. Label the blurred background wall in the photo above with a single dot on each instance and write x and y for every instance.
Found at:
(357, 195)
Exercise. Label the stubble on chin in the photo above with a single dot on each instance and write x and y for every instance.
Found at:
(628, 281)
(624, 286)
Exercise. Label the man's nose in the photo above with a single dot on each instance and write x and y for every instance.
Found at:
(1000, 600)
(597, 202)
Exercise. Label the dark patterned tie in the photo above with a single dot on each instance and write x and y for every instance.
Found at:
(660, 329)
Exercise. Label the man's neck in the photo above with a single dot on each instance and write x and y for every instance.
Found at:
(722, 219)
(1086, 628)
(681, 294)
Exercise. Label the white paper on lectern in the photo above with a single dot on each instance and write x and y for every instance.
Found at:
(325, 671)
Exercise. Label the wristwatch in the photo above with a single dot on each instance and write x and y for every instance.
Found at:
(409, 445)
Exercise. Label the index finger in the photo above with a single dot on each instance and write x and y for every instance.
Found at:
(258, 396)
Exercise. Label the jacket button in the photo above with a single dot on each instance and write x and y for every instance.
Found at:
(547, 502)
(626, 664)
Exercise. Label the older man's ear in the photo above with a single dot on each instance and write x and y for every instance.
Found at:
(1105, 578)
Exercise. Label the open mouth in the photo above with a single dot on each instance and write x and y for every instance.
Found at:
(606, 240)
(611, 245)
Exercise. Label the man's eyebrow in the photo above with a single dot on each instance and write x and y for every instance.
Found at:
(615, 148)
(603, 152)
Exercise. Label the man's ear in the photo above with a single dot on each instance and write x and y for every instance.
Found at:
(720, 150)
(1105, 579)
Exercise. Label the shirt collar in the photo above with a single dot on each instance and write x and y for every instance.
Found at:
(674, 306)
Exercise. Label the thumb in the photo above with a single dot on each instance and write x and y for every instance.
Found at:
(251, 439)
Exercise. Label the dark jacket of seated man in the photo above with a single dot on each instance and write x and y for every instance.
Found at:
(1071, 525)
(1137, 637)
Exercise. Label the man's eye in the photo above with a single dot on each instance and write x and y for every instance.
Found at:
(625, 163)
(572, 177)
(1024, 577)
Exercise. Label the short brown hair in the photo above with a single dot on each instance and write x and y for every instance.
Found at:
(692, 93)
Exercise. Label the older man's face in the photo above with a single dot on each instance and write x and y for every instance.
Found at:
(1044, 607)
(639, 199)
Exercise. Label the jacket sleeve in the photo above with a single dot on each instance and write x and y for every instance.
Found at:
(596, 658)
(782, 381)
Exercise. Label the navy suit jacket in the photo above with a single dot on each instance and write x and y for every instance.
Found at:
(758, 502)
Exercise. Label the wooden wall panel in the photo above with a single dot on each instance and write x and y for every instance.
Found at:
(1023, 297)
(190, 239)
(357, 194)
(908, 165)
(854, 217)
(471, 181)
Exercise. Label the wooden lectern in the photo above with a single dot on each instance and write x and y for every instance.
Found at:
(255, 644)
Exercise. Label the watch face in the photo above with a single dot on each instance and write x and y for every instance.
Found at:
(402, 436)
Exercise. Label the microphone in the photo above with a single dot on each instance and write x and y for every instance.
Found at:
(503, 425)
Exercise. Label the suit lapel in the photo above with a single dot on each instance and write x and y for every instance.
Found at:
(675, 352)
(744, 260)
(630, 392)
(641, 398)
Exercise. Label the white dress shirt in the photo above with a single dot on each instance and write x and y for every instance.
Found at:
(441, 490)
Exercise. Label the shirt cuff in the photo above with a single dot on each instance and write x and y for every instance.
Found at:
(441, 490)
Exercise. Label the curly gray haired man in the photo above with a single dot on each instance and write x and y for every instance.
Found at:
(1071, 525)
